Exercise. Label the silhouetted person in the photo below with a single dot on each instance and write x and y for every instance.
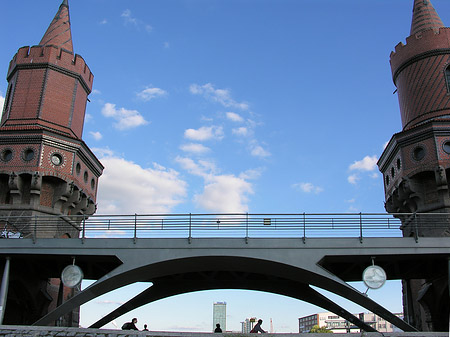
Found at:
(257, 328)
(145, 327)
(217, 329)
(130, 325)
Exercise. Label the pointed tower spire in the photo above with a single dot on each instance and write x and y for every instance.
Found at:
(424, 17)
(59, 33)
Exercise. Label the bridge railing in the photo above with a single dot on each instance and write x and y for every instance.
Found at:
(244, 225)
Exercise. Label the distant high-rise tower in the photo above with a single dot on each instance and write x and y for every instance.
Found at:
(220, 315)
(416, 162)
(45, 167)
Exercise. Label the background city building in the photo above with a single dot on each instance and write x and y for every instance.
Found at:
(337, 324)
(220, 315)
(248, 324)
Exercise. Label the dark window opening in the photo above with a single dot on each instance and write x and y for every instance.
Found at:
(447, 78)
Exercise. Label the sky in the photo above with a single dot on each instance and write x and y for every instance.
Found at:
(217, 106)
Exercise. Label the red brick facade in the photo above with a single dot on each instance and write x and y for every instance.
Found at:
(416, 162)
(48, 88)
(45, 167)
(418, 70)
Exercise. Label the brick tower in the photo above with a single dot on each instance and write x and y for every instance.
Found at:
(45, 167)
(416, 162)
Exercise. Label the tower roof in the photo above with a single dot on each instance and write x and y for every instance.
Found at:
(424, 17)
(59, 33)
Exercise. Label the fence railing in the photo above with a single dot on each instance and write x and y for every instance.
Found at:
(244, 225)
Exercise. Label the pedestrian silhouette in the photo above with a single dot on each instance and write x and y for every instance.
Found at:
(257, 328)
(130, 325)
(218, 329)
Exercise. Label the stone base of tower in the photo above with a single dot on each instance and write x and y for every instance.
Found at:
(426, 304)
(31, 296)
(35, 206)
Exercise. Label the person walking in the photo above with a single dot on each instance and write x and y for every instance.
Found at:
(217, 329)
(257, 328)
(130, 325)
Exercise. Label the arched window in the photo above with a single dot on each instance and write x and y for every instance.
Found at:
(447, 77)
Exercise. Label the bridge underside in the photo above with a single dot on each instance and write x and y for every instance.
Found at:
(181, 267)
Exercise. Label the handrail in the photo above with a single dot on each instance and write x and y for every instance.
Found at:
(244, 225)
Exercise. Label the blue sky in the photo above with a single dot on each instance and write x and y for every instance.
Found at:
(204, 106)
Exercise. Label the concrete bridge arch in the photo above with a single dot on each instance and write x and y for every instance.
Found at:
(185, 275)
(281, 266)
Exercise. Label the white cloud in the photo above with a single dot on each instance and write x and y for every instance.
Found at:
(251, 174)
(225, 194)
(166, 45)
(96, 92)
(88, 117)
(308, 188)
(2, 102)
(107, 302)
(127, 188)
(242, 131)
(149, 93)
(353, 179)
(366, 164)
(221, 96)
(126, 119)
(97, 135)
(204, 133)
(232, 116)
(259, 151)
(202, 168)
(102, 152)
(194, 148)
(222, 193)
(129, 19)
(104, 22)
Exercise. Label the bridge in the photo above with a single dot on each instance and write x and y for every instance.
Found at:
(279, 253)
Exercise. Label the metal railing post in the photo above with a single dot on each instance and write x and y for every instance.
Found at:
(360, 228)
(83, 235)
(246, 227)
(304, 228)
(416, 228)
(190, 228)
(135, 228)
(35, 229)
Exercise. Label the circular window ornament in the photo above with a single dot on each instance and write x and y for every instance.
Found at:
(418, 153)
(92, 183)
(78, 169)
(446, 147)
(6, 155)
(399, 164)
(28, 154)
(392, 172)
(72, 276)
(387, 180)
(374, 277)
(85, 176)
(56, 159)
